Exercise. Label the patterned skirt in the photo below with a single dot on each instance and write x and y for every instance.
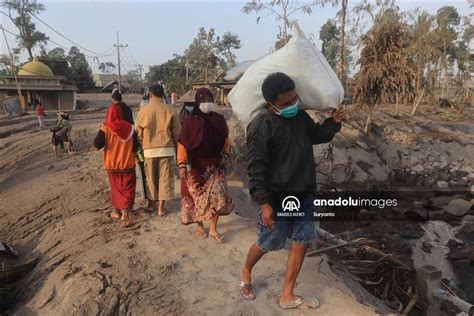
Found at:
(204, 195)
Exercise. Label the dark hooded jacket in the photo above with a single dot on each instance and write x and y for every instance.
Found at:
(280, 154)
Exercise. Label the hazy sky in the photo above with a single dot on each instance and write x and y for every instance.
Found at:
(154, 30)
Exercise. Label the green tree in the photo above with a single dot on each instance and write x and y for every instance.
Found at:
(9, 62)
(209, 57)
(107, 67)
(81, 74)
(385, 74)
(20, 12)
(329, 36)
(226, 46)
(447, 19)
(172, 73)
(134, 79)
(56, 59)
(422, 55)
(342, 66)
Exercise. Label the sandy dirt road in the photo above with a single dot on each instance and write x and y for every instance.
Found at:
(58, 210)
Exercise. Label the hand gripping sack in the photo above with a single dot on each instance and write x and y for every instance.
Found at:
(317, 85)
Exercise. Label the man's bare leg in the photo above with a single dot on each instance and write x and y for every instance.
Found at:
(55, 148)
(254, 255)
(151, 205)
(69, 148)
(293, 267)
(161, 208)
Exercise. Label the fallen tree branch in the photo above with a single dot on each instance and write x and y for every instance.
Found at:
(312, 253)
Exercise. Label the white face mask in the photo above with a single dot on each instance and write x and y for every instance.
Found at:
(206, 107)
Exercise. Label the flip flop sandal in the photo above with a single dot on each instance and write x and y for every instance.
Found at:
(163, 214)
(126, 223)
(219, 238)
(201, 233)
(300, 303)
(251, 293)
(115, 215)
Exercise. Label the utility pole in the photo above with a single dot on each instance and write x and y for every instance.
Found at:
(118, 45)
(187, 69)
(20, 97)
(140, 68)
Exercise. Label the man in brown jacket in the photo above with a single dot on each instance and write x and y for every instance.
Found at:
(158, 131)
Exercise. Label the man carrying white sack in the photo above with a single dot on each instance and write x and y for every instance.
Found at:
(280, 160)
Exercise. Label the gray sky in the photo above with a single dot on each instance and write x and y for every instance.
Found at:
(154, 30)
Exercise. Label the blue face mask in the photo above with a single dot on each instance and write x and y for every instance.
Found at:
(189, 108)
(289, 111)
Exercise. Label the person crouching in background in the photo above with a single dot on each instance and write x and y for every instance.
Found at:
(62, 134)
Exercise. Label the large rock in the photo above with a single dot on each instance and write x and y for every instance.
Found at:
(442, 185)
(463, 252)
(418, 168)
(458, 207)
(467, 225)
(417, 214)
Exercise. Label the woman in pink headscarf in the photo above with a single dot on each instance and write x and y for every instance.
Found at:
(203, 149)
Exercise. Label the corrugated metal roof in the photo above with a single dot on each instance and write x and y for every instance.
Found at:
(238, 70)
(188, 97)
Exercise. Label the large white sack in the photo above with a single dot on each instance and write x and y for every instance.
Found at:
(317, 85)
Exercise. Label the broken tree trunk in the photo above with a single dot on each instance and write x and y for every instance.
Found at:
(397, 109)
(418, 102)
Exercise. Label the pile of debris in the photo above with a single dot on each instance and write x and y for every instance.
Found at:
(384, 275)
(11, 270)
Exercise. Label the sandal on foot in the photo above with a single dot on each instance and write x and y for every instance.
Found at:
(115, 214)
(201, 233)
(163, 213)
(217, 237)
(250, 296)
(299, 302)
(126, 223)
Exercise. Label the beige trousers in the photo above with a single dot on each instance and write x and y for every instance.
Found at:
(159, 178)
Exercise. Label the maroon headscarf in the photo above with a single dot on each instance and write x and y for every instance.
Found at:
(198, 127)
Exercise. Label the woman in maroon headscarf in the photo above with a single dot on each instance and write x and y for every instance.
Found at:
(203, 149)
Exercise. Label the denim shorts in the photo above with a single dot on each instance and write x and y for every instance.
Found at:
(299, 230)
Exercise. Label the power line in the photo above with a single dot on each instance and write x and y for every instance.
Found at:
(127, 59)
(67, 48)
(67, 38)
(118, 45)
(62, 46)
(134, 61)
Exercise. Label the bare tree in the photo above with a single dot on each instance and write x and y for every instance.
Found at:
(283, 10)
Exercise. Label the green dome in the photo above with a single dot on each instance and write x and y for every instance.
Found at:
(35, 68)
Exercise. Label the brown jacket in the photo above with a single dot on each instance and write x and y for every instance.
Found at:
(157, 125)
